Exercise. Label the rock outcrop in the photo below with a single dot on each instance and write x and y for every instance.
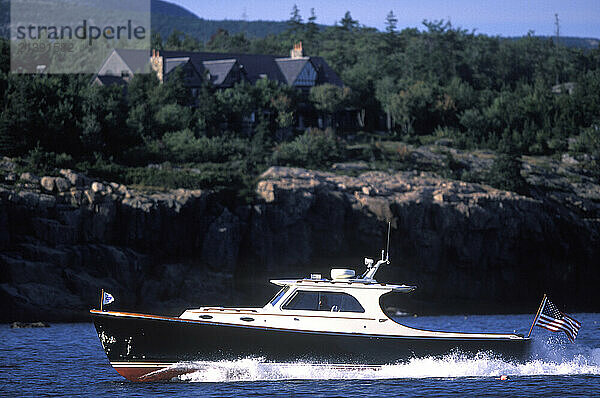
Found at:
(455, 240)
(62, 239)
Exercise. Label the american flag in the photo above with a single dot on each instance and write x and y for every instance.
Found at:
(552, 319)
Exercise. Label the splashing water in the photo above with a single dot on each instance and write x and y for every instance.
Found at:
(47, 362)
(578, 361)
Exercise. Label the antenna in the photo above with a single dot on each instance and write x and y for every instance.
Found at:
(385, 256)
(387, 248)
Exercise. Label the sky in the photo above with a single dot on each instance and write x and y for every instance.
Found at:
(580, 18)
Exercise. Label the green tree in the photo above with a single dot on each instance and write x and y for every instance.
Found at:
(416, 106)
(295, 22)
(156, 41)
(587, 99)
(361, 78)
(235, 105)
(385, 89)
(141, 97)
(391, 22)
(329, 99)
(104, 113)
(174, 42)
(222, 41)
(347, 23)
(172, 117)
(311, 41)
(206, 112)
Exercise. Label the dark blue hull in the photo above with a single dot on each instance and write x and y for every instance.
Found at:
(137, 339)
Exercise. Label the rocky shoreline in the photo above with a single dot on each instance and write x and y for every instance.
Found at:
(63, 238)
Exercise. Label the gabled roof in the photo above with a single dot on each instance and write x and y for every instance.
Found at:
(136, 60)
(324, 72)
(172, 63)
(219, 69)
(291, 67)
(255, 66)
(193, 74)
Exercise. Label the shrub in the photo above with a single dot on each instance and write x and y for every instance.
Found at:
(104, 169)
(313, 149)
(209, 176)
(588, 141)
(183, 146)
(453, 168)
(505, 173)
(41, 162)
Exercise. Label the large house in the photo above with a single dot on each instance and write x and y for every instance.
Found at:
(222, 69)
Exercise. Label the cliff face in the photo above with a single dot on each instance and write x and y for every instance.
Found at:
(62, 239)
(456, 241)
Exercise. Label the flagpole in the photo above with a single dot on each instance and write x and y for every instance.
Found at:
(101, 299)
(537, 315)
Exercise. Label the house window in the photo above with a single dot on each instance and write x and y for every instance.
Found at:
(194, 92)
(307, 77)
(323, 301)
(124, 73)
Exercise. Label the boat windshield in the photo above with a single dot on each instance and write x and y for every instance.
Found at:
(323, 301)
(279, 295)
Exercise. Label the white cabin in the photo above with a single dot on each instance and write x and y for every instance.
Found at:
(343, 304)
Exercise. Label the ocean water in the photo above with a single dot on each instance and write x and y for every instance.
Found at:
(67, 360)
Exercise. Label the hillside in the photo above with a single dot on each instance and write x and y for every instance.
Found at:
(585, 43)
(167, 17)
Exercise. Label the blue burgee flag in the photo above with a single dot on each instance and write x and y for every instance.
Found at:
(107, 299)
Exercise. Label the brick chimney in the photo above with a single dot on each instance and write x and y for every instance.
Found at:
(297, 51)
(156, 62)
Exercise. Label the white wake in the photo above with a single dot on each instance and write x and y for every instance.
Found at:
(449, 366)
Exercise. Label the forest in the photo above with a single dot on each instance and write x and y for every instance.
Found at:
(528, 96)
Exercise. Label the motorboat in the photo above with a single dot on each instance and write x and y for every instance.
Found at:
(337, 320)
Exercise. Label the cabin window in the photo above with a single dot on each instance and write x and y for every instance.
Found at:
(279, 295)
(323, 301)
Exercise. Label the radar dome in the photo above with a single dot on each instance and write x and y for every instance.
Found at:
(338, 273)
